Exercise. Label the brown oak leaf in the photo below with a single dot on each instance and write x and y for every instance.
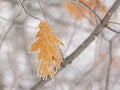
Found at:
(49, 55)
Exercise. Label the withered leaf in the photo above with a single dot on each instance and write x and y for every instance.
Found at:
(49, 55)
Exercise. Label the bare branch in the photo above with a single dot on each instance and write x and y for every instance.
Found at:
(42, 10)
(4, 37)
(86, 43)
(84, 5)
(109, 64)
(114, 23)
(99, 17)
(95, 33)
(111, 29)
(27, 11)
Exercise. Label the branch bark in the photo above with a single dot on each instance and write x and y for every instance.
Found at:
(109, 67)
(99, 28)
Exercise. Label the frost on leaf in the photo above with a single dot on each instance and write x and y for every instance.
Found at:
(49, 55)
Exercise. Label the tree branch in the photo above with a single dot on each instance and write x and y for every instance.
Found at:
(114, 23)
(113, 30)
(84, 5)
(98, 18)
(28, 12)
(86, 43)
(4, 37)
(92, 37)
(42, 10)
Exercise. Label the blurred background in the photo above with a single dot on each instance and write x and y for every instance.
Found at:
(96, 68)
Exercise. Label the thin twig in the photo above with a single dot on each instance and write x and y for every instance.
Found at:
(85, 44)
(42, 10)
(95, 12)
(99, 17)
(87, 7)
(109, 64)
(37, 18)
(114, 22)
(111, 29)
(4, 37)
(101, 6)
(95, 33)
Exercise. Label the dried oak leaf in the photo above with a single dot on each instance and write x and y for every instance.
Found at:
(79, 11)
(49, 55)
